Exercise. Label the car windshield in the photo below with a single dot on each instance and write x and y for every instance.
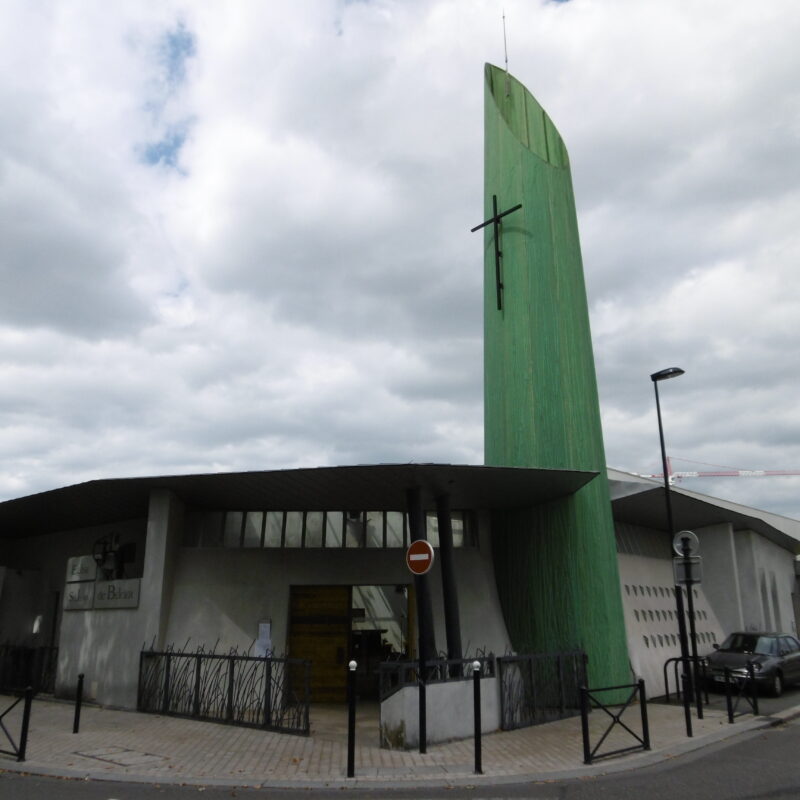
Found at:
(750, 643)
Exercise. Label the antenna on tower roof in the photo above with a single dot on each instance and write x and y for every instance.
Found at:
(505, 50)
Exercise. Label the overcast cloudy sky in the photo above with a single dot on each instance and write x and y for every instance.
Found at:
(236, 235)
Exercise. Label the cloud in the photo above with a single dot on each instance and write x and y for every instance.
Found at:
(237, 237)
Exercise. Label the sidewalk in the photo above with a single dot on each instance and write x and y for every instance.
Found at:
(128, 746)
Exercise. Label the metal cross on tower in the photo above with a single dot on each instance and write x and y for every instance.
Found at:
(498, 253)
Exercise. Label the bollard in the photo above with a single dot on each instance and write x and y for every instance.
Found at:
(687, 696)
(728, 698)
(351, 719)
(751, 676)
(423, 719)
(78, 701)
(643, 708)
(587, 750)
(26, 717)
(476, 685)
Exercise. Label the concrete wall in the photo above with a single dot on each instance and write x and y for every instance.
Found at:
(21, 602)
(105, 644)
(747, 585)
(208, 596)
(770, 606)
(721, 575)
(44, 560)
(651, 621)
(220, 594)
(450, 709)
(747, 571)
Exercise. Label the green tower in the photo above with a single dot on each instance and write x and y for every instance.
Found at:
(556, 564)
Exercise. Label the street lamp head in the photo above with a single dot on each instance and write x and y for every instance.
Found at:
(664, 374)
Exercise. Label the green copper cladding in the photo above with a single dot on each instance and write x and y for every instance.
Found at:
(556, 564)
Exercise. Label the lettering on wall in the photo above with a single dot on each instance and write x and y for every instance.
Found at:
(117, 594)
(81, 568)
(84, 592)
(78, 596)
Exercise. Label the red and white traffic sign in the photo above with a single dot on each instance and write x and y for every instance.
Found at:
(419, 557)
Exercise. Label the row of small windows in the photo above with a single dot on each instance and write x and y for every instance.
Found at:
(656, 615)
(315, 529)
(653, 591)
(671, 640)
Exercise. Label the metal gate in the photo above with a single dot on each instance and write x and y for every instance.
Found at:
(268, 693)
(540, 687)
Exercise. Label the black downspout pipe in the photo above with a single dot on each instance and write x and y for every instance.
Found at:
(416, 520)
(449, 588)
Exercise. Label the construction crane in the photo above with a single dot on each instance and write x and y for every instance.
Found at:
(720, 472)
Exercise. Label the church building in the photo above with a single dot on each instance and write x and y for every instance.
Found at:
(539, 550)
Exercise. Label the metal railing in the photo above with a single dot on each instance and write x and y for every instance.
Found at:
(22, 666)
(540, 687)
(589, 700)
(269, 693)
(394, 675)
(738, 688)
(700, 673)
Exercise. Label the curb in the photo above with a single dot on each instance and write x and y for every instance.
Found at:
(628, 763)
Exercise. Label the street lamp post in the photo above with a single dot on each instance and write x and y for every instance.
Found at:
(656, 377)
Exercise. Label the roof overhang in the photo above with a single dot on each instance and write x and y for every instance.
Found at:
(372, 488)
(640, 501)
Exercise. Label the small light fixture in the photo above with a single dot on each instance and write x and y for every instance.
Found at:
(666, 374)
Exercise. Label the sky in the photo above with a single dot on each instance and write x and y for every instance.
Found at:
(235, 236)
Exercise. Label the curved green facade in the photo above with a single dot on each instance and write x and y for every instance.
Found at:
(556, 564)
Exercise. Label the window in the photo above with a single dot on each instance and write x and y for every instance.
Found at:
(253, 525)
(293, 529)
(273, 529)
(395, 529)
(315, 529)
(333, 529)
(315, 521)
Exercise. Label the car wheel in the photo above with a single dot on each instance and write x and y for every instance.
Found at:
(777, 684)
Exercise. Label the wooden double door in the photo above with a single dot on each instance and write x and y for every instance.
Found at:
(320, 631)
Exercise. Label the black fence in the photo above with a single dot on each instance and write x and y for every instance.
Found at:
(540, 687)
(21, 667)
(268, 693)
(394, 675)
(590, 701)
(17, 750)
(738, 687)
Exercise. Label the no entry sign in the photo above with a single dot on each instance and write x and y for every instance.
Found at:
(419, 557)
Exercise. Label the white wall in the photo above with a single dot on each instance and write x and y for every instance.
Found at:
(105, 644)
(450, 709)
(220, 594)
(775, 566)
(721, 583)
(730, 597)
(651, 621)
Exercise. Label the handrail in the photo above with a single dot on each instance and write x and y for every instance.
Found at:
(702, 664)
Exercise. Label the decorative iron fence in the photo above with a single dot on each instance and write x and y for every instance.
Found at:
(540, 687)
(21, 667)
(268, 693)
(394, 675)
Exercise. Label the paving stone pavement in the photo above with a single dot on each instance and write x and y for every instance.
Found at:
(125, 745)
